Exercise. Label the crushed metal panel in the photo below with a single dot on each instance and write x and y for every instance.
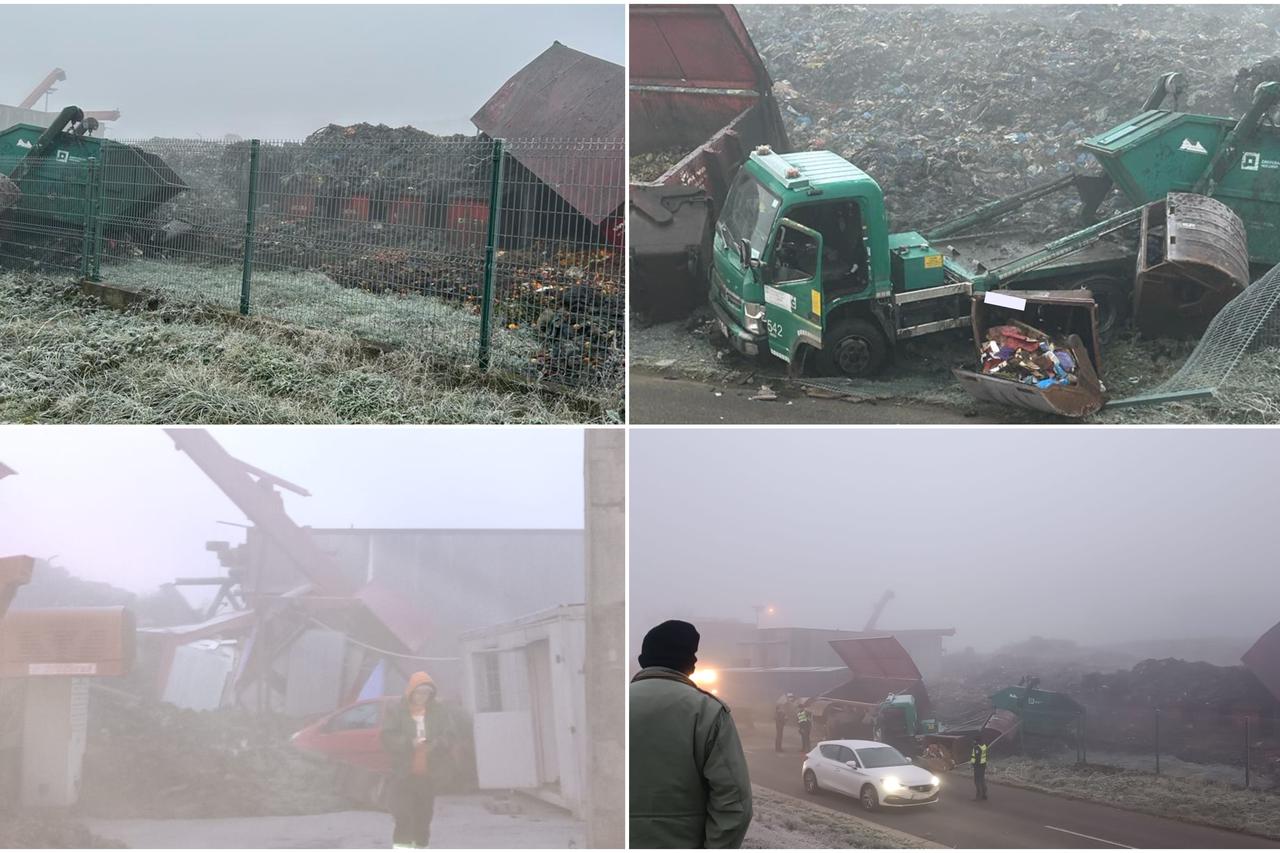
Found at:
(396, 613)
(1072, 314)
(704, 47)
(879, 666)
(1193, 259)
(564, 94)
(1263, 660)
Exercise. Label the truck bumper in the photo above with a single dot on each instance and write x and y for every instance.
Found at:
(739, 338)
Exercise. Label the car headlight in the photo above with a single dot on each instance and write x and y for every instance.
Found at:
(935, 781)
(892, 783)
(753, 313)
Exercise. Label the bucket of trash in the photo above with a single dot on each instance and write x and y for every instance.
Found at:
(1037, 350)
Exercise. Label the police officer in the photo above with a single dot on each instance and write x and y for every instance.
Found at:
(689, 782)
(980, 767)
(781, 713)
(804, 721)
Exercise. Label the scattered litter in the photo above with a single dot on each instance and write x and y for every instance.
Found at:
(765, 393)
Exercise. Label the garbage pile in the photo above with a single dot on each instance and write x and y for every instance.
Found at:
(1172, 683)
(150, 759)
(1022, 353)
(948, 107)
(649, 167)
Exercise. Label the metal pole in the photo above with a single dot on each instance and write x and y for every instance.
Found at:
(490, 251)
(246, 274)
(1084, 747)
(95, 268)
(91, 177)
(1157, 741)
(1246, 752)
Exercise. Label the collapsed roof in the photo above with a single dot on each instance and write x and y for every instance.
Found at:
(564, 94)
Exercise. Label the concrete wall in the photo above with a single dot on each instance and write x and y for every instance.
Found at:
(606, 666)
(10, 116)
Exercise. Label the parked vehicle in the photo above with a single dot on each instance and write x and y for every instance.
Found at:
(352, 737)
(876, 773)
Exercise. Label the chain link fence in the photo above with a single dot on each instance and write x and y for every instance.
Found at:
(503, 255)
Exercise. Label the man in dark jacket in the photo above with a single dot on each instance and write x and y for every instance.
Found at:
(416, 737)
(689, 781)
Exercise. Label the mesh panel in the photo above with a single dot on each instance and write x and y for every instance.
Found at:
(382, 237)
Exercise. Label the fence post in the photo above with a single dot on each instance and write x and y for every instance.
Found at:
(95, 248)
(1084, 743)
(246, 274)
(1157, 741)
(1246, 752)
(91, 177)
(490, 251)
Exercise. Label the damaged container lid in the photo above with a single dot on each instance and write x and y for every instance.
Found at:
(1072, 315)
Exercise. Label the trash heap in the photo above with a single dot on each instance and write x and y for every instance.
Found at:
(948, 107)
(653, 165)
(1022, 353)
(150, 759)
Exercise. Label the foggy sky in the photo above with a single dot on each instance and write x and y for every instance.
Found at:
(1090, 535)
(285, 71)
(121, 505)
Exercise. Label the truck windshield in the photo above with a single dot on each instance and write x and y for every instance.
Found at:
(749, 212)
(880, 756)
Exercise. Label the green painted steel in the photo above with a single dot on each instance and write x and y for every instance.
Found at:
(98, 219)
(250, 219)
(490, 252)
(1042, 712)
(1159, 152)
(133, 181)
(90, 179)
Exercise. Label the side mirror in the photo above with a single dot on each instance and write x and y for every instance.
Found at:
(744, 252)
(852, 764)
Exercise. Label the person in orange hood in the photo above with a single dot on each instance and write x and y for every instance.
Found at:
(413, 734)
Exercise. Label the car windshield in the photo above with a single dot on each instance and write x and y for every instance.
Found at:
(880, 756)
(749, 212)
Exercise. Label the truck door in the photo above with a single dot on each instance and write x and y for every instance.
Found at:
(793, 289)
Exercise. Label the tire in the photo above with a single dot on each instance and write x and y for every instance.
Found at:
(1115, 302)
(853, 348)
(870, 799)
(810, 782)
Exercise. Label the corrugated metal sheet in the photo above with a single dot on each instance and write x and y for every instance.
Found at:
(563, 94)
(702, 46)
(879, 666)
(1263, 660)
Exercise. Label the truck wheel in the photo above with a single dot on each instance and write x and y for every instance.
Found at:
(870, 799)
(810, 782)
(1115, 302)
(854, 348)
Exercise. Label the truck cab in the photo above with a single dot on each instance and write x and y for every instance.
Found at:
(803, 266)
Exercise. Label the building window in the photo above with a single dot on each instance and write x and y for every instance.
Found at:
(488, 682)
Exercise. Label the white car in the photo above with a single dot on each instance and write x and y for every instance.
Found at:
(876, 773)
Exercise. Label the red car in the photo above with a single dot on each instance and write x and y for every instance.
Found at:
(351, 736)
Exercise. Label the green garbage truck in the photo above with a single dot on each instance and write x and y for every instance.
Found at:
(805, 267)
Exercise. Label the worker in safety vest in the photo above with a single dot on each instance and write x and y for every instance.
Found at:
(980, 749)
(689, 786)
(804, 720)
(782, 711)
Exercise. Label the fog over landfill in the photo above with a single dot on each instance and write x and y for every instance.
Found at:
(293, 69)
(1002, 535)
(123, 506)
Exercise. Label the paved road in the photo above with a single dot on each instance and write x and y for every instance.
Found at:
(659, 400)
(1013, 817)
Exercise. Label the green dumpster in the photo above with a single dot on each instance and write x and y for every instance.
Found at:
(55, 186)
(1042, 712)
(1160, 151)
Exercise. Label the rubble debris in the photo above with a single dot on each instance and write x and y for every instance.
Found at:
(1022, 353)
(909, 94)
(653, 165)
(26, 831)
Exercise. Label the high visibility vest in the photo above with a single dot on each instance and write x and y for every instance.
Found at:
(980, 753)
(802, 716)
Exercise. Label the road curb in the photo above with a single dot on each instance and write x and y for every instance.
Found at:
(908, 840)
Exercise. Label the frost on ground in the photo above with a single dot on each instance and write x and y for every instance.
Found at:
(64, 357)
(314, 300)
(783, 822)
(1183, 798)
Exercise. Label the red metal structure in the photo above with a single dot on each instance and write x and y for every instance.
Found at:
(57, 75)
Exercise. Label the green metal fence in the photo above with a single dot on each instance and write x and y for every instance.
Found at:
(502, 255)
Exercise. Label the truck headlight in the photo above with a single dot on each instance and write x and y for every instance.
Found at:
(754, 315)
(892, 783)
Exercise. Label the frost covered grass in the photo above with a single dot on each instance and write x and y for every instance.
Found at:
(1196, 800)
(783, 822)
(314, 300)
(66, 358)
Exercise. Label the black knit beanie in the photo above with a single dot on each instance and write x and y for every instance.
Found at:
(673, 644)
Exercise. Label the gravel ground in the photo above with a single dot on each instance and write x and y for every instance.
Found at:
(780, 821)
